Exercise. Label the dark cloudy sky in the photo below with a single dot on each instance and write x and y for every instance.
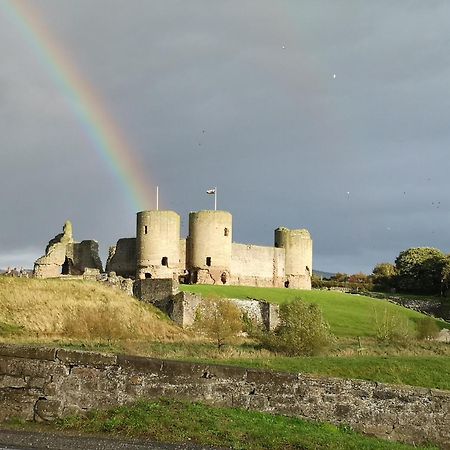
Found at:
(285, 141)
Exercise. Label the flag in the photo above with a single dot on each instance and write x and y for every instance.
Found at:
(211, 191)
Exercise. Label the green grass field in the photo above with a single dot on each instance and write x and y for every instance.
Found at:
(223, 427)
(348, 315)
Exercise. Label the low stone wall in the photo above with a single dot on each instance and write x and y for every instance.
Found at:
(44, 384)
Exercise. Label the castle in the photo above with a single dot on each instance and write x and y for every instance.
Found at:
(207, 256)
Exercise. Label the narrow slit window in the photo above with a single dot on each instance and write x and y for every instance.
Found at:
(208, 261)
(226, 232)
(165, 261)
(145, 229)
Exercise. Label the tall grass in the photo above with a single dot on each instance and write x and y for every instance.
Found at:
(78, 310)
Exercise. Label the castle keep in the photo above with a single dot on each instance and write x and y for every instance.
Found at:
(208, 255)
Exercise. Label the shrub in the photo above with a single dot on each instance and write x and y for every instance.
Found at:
(302, 331)
(391, 328)
(427, 328)
(220, 320)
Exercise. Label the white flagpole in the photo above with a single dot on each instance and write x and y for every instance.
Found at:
(157, 198)
(215, 198)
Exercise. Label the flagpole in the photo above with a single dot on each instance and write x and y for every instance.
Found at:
(157, 198)
(215, 198)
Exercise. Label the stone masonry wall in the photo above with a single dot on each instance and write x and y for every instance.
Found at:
(183, 309)
(44, 384)
(255, 265)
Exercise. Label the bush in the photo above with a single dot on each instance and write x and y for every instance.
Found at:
(392, 329)
(220, 320)
(302, 331)
(427, 328)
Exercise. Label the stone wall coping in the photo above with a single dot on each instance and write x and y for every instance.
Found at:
(173, 368)
(28, 352)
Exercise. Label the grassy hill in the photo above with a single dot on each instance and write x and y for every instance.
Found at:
(42, 310)
(348, 315)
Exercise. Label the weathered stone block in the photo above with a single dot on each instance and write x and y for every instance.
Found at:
(17, 403)
(228, 372)
(79, 358)
(37, 382)
(16, 351)
(48, 409)
(12, 382)
(140, 364)
(261, 377)
(182, 369)
(30, 367)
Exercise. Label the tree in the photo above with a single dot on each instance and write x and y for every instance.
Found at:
(359, 278)
(339, 277)
(385, 276)
(420, 270)
(445, 275)
(220, 320)
(302, 330)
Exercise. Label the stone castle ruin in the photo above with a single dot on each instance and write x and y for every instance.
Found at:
(207, 256)
(64, 256)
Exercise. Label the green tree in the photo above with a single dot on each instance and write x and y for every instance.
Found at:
(302, 331)
(221, 320)
(385, 276)
(445, 275)
(420, 270)
(339, 277)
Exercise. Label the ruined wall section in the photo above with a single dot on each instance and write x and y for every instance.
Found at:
(255, 265)
(64, 256)
(42, 384)
(158, 244)
(122, 258)
(298, 250)
(84, 255)
(209, 247)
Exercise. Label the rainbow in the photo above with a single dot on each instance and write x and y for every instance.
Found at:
(101, 130)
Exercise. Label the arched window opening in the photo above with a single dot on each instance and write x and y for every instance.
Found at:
(208, 261)
(165, 261)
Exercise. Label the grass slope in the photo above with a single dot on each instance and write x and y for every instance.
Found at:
(348, 315)
(224, 427)
(44, 309)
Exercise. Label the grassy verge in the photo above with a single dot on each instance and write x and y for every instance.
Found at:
(222, 427)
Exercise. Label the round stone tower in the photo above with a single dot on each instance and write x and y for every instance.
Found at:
(298, 256)
(209, 247)
(157, 244)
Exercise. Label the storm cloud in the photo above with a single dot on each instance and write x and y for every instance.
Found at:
(326, 115)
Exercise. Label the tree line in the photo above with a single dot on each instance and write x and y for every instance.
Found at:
(418, 270)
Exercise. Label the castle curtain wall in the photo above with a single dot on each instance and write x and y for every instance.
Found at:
(255, 265)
